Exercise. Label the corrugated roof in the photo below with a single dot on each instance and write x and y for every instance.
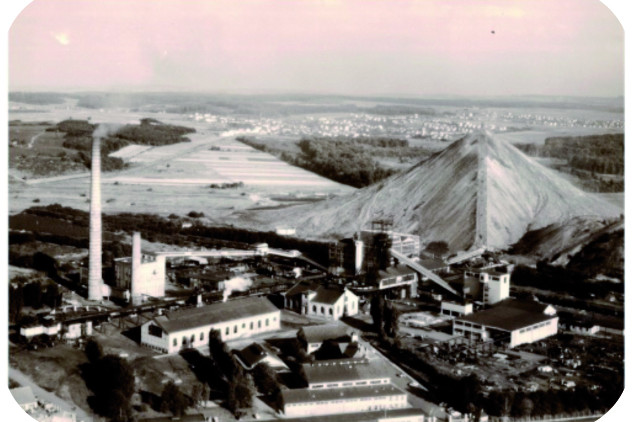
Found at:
(23, 395)
(305, 395)
(342, 370)
(320, 333)
(214, 313)
(510, 315)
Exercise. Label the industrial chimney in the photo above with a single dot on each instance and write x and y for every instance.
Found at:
(94, 264)
(135, 284)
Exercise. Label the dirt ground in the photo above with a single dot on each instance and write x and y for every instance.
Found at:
(55, 369)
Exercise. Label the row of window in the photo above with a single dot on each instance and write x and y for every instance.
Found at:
(400, 398)
(534, 327)
(467, 324)
(227, 331)
(330, 310)
(349, 383)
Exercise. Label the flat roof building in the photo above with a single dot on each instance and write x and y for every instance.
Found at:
(310, 402)
(341, 373)
(510, 321)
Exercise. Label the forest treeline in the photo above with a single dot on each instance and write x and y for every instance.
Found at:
(351, 161)
(595, 153)
(78, 137)
(43, 222)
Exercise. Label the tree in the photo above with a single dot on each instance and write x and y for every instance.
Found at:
(221, 355)
(437, 248)
(173, 400)
(377, 309)
(240, 393)
(390, 321)
(33, 295)
(199, 393)
(265, 379)
(116, 406)
(525, 407)
(112, 380)
(93, 351)
(52, 297)
(16, 302)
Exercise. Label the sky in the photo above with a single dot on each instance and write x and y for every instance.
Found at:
(367, 47)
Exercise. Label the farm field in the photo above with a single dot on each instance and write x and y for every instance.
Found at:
(176, 178)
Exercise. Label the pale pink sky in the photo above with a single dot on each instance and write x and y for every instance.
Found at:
(426, 47)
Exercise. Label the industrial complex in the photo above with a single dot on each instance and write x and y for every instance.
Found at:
(328, 328)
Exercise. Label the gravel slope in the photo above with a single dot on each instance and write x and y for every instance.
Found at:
(449, 197)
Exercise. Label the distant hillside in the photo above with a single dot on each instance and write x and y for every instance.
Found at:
(604, 255)
(597, 161)
(478, 191)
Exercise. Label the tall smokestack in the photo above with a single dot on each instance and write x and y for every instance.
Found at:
(94, 265)
(136, 268)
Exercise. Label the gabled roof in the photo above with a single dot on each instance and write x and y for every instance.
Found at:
(23, 395)
(301, 287)
(305, 395)
(214, 313)
(321, 333)
(511, 315)
(328, 295)
(342, 370)
(251, 355)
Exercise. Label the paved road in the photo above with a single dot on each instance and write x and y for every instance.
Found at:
(45, 396)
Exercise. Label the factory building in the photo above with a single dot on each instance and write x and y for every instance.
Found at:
(143, 275)
(408, 414)
(487, 286)
(303, 402)
(329, 302)
(312, 337)
(350, 254)
(511, 322)
(343, 386)
(399, 278)
(342, 373)
(190, 328)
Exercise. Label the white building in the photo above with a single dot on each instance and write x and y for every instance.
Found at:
(151, 275)
(511, 321)
(313, 336)
(330, 302)
(455, 309)
(190, 328)
(344, 373)
(303, 402)
(493, 286)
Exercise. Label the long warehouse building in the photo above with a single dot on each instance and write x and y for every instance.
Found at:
(190, 328)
